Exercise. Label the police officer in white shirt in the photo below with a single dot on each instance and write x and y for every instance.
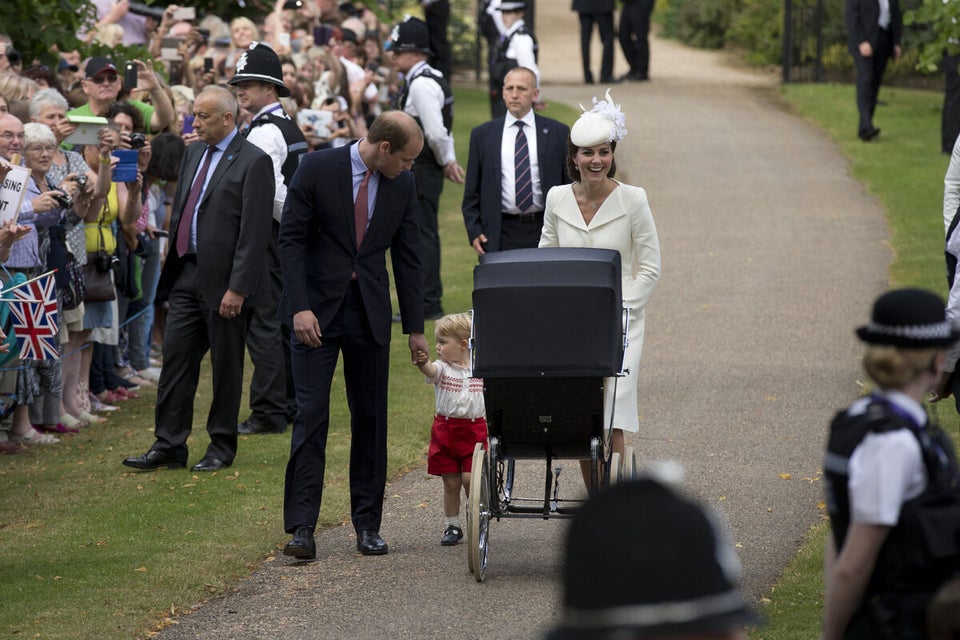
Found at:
(426, 96)
(259, 82)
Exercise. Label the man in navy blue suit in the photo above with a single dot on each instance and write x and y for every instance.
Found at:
(873, 37)
(345, 208)
(494, 218)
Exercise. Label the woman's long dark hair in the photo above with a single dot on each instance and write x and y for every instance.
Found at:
(168, 150)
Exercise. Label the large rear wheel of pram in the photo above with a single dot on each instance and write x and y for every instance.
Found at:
(629, 465)
(479, 514)
(478, 454)
(614, 469)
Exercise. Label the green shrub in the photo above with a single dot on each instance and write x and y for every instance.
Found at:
(757, 29)
(462, 31)
(699, 23)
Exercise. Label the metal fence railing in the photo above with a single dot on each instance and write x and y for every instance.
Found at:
(803, 44)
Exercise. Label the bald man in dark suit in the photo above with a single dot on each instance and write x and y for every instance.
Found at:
(213, 276)
(490, 212)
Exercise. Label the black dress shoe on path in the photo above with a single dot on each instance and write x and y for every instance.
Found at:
(250, 427)
(154, 459)
(301, 546)
(209, 463)
(369, 543)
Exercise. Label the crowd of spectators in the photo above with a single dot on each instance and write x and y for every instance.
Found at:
(340, 78)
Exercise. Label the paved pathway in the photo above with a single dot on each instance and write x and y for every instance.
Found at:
(771, 255)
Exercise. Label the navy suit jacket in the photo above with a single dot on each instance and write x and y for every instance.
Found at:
(862, 18)
(318, 246)
(482, 189)
(592, 6)
(234, 221)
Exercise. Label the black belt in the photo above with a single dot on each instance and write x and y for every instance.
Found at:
(532, 216)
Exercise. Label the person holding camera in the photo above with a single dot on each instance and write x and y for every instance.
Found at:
(49, 107)
(103, 318)
(39, 381)
(102, 84)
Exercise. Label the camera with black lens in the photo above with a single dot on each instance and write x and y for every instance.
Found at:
(63, 199)
(145, 10)
(137, 140)
(104, 262)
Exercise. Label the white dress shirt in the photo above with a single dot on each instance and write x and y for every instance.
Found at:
(425, 101)
(269, 139)
(508, 165)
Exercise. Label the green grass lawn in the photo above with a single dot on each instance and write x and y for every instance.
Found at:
(95, 550)
(904, 169)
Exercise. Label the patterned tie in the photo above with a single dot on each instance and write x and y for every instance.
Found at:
(360, 209)
(521, 171)
(186, 217)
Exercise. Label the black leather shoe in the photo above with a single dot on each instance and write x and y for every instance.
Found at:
(251, 427)
(634, 76)
(301, 545)
(869, 134)
(209, 463)
(153, 460)
(369, 543)
(451, 536)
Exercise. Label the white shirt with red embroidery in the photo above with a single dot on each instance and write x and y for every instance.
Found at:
(458, 394)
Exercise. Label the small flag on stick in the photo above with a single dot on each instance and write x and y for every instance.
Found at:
(34, 308)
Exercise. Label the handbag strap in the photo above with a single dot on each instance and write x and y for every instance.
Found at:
(103, 212)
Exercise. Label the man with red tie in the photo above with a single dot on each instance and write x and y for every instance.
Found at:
(345, 208)
(212, 277)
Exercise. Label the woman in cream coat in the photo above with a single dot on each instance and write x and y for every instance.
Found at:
(597, 211)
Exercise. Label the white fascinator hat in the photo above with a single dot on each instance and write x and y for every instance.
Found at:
(603, 123)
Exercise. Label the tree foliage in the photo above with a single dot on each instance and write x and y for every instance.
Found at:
(40, 28)
(941, 18)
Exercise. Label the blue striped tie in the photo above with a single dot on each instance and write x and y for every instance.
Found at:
(522, 180)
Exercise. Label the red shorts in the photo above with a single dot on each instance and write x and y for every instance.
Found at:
(452, 441)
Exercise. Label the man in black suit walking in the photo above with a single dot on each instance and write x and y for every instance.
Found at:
(498, 210)
(345, 208)
(213, 276)
(873, 37)
(601, 12)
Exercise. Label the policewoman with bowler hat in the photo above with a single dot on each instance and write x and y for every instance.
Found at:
(889, 471)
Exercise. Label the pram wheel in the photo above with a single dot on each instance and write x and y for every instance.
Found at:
(479, 514)
(629, 464)
(478, 455)
(614, 469)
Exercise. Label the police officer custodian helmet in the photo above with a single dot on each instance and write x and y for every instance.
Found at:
(644, 561)
(911, 318)
(410, 35)
(260, 62)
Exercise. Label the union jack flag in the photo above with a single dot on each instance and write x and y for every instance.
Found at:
(34, 309)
